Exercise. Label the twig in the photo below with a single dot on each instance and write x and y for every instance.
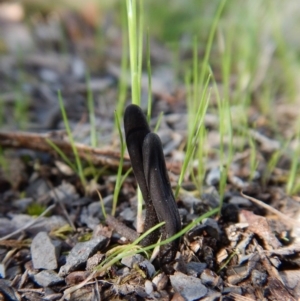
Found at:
(39, 142)
(121, 229)
(287, 220)
(91, 155)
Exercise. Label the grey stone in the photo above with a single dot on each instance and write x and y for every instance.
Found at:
(78, 68)
(212, 296)
(160, 281)
(183, 213)
(195, 268)
(6, 226)
(37, 188)
(189, 287)
(211, 197)
(258, 278)
(88, 219)
(13, 271)
(148, 266)
(213, 177)
(189, 201)
(209, 226)
(47, 278)
(212, 227)
(2, 270)
(46, 224)
(65, 193)
(8, 291)
(232, 289)
(44, 252)
(211, 279)
(94, 209)
(148, 287)
(23, 204)
(291, 279)
(80, 254)
(129, 261)
(128, 214)
(240, 201)
(93, 261)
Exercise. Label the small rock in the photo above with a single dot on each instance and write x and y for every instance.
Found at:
(23, 204)
(240, 201)
(232, 289)
(128, 214)
(6, 226)
(189, 287)
(183, 213)
(195, 246)
(122, 272)
(160, 281)
(13, 271)
(47, 278)
(78, 68)
(195, 268)
(209, 226)
(93, 261)
(213, 177)
(189, 201)
(291, 279)
(211, 279)
(94, 209)
(148, 287)
(129, 261)
(211, 197)
(258, 278)
(230, 213)
(212, 227)
(44, 252)
(80, 254)
(2, 270)
(88, 219)
(46, 224)
(66, 193)
(212, 296)
(37, 188)
(147, 266)
(7, 290)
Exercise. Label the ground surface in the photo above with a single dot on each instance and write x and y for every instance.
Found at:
(248, 252)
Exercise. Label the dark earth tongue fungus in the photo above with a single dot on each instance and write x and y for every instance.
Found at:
(149, 167)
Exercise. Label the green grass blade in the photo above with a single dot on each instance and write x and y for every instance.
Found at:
(120, 168)
(72, 142)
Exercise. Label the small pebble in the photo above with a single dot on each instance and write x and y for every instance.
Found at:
(258, 278)
(129, 261)
(148, 266)
(211, 279)
(44, 252)
(191, 288)
(160, 281)
(148, 287)
(213, 177)
(195, 268)
(47, 278)
(80, 254)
